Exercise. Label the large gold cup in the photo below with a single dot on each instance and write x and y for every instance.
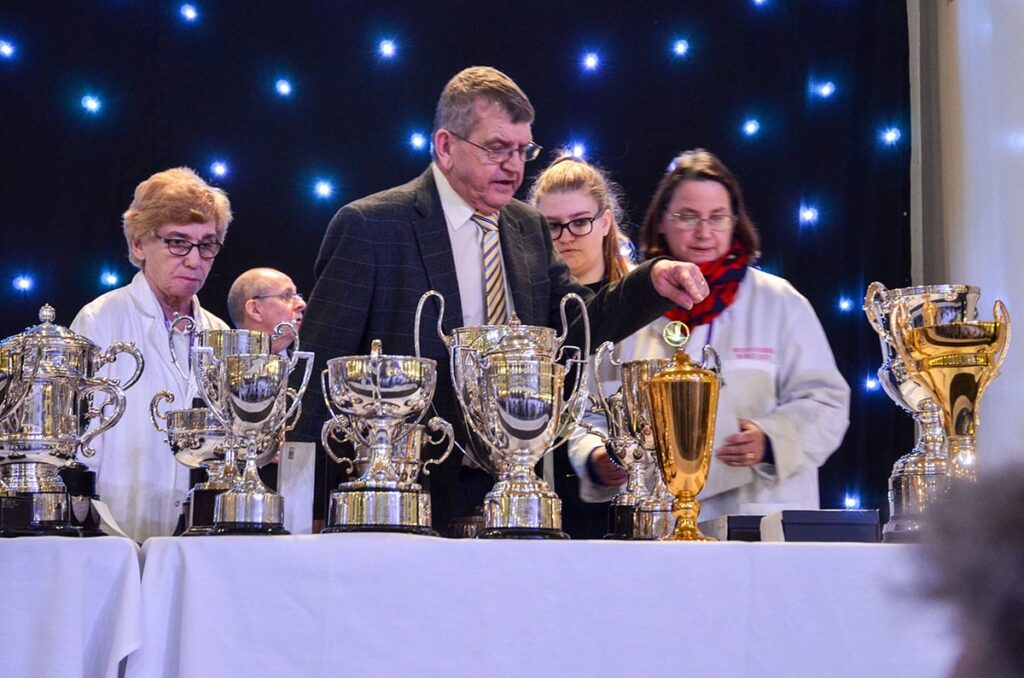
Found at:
(684, 400)
(954, 363)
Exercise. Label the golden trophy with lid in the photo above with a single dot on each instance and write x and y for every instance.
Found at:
(683, 402)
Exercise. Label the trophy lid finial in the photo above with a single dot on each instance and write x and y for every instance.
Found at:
(676, 334)
(47, 314)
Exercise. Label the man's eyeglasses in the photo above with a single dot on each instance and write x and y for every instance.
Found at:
(286, 297)
(689, 221)
(180, 247)
(579, 226)
(503, 154)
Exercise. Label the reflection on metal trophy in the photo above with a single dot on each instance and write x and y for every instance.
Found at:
(684, 401)
(954, 362)
(920, 477)
(248, 394)
(47, 423)
(509, 384)
(624, 447)
(376, 402)
(227, 342)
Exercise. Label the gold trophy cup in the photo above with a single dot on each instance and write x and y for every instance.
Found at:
(684, 400)
(955, 363)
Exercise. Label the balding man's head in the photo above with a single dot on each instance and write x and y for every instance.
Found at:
(261, 298)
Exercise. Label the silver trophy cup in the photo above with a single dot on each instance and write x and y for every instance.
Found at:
(919, 477)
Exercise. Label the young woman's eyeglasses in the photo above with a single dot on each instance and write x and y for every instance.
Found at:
(504, 153)
(690, 221)
(579, 226)
(180, 247)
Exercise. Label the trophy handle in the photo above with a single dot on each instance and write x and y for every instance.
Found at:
(289, 424)
(560, 339)
(474, 418)
(603, 351)
(898, 319)
(329, 432)
(1002, 316)
(111, 355)
(116, 396)
(419, 316)
(307, 373)
(325, 391)
(873, 298)
(279, 330)
(190, 327)
(446, 430)
(154, 409)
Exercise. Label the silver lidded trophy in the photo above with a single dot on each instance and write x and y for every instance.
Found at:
(249, 396)
(376, 403)
(47, 419)
(921, 476)
(509, 382)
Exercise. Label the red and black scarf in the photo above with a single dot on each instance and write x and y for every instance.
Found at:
(723, 276)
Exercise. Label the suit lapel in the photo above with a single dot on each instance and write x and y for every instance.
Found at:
(436, 249)
(517, 269)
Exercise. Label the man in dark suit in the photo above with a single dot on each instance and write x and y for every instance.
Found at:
(381, 253)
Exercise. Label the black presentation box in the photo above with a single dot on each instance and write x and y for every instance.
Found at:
(854, 525)
(733, 528)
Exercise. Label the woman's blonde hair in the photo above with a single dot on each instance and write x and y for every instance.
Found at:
(568, 173)
(174, 196)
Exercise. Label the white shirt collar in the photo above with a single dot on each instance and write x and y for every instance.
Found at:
(457, 211)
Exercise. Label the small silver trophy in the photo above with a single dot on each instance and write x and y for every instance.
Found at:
(376, 402)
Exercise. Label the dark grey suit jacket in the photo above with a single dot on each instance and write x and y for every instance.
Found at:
(382, 252)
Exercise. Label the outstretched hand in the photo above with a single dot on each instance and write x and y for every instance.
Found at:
(680, 282)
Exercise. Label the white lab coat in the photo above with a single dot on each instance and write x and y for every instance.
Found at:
(136, 475)
(779, 372)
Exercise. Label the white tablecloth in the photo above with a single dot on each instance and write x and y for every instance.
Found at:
(71, 607)
(397, 605)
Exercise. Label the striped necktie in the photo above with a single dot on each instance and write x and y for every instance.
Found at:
(494, 278)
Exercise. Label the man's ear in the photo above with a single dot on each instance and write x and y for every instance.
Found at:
(443, 141)
(252, 309)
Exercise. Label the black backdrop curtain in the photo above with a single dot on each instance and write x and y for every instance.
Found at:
(176, 92)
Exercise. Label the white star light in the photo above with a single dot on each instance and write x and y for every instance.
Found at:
(23, 283)
(189, 13)
(418, 141)
(323, 189)
(219, 168)
(845, 304)
(387, 48)
(808, 214)
(890, 136)
(578, 150)
(851, 501)
(283, 87)
(92, 103)
(751, 127)
(7, 49)
(825, 89)
(591, 61)
(680, 47)
(108, 278)
(871, 384)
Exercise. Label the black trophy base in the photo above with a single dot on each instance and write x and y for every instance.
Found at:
(16, 520)
(398, 529)
(521, 533)
(247, 528)
(620, 522)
